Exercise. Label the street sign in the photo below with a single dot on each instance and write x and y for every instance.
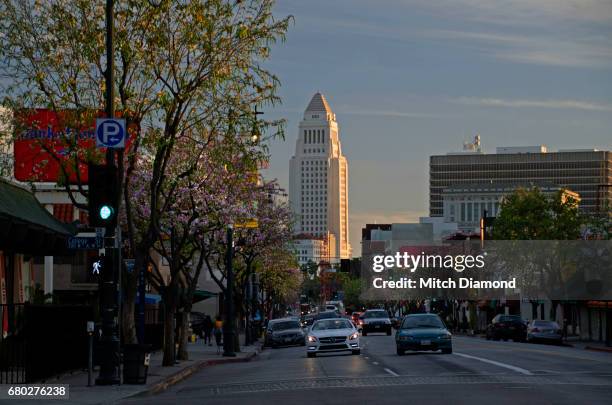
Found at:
(85, 243)
(251, 223)
(110, 133)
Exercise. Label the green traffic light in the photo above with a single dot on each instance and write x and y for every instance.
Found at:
(106, 212)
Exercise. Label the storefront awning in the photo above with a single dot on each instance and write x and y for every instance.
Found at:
(26, 226)
(201, 295)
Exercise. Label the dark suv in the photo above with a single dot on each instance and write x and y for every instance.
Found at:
(507, 327)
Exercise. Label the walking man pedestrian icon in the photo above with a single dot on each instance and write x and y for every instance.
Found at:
(97, 266)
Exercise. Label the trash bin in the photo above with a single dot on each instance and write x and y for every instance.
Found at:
(136, 363)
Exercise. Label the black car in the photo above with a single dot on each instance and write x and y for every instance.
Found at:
(507, 327)
(284, 332)
(307, 320)
(375, 320)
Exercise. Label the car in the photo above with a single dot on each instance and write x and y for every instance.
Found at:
(545, 331)
(375, 320)
(307, 320)
(326, 315)
(337, 306)
(332, 335)
(507, 327)
(355, 317)
(284, 332)
(423, 332)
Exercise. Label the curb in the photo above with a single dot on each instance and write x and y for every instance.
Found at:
(599, 349)
(189, 371)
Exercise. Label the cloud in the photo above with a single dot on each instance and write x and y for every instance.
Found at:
(550, 104)
(568, 33)
(526, 12)
(387, 113)
(541, 48)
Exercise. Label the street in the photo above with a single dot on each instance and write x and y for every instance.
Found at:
(478, 371)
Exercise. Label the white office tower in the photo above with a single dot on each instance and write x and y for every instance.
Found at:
(318, 180)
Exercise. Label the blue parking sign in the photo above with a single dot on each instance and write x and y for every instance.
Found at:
(110, 133)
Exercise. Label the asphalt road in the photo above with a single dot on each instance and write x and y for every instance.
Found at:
(478, 372)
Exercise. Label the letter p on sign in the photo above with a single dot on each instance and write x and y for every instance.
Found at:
(110, 133)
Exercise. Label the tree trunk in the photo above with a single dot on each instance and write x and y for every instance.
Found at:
(169, 346)
(128, 308)
(183, 320)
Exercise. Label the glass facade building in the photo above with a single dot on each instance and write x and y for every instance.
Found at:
(588, 173)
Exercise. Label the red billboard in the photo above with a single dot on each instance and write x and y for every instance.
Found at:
(54, 146)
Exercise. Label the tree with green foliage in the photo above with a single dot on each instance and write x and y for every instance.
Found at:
(528, 214)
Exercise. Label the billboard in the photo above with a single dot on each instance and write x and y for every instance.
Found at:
(55, 146)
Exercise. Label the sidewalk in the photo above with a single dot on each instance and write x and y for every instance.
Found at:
(159, 378)
(586, 345)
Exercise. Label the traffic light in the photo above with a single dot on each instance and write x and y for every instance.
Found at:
(103, 192)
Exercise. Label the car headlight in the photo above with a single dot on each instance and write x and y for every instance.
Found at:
(354, 336)
(405, 337)
(387, 322)
(312, 339)
(446, 336)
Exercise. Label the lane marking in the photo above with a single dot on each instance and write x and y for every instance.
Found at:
(393, 373)
(375, 363)
(519, 347)
(496, 363)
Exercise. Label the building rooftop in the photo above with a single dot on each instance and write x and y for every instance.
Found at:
(318, 103)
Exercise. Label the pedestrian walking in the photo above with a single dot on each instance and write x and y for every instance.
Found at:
(218, 332)
(207, 328)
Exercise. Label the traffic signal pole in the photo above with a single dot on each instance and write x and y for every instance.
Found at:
(109, 342)
(228, 324)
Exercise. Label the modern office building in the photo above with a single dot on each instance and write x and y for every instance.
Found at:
(464, 205)
(318, 179)
(585, 172)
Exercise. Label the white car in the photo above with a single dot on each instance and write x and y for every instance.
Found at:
(332, 335)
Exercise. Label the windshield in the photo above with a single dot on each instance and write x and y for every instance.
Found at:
(332, 324)
(376, 314)
(422, 322)
(285, 325)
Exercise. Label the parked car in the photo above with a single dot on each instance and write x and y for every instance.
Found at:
(507, 327)
(375, 320)
(423, 332)
(284, 332)
(332, 335)
(545, 331)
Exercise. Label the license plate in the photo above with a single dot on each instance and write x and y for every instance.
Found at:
(287, 339)
(425, 342)
(377, 326)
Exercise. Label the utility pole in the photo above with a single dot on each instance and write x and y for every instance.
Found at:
(228, 325)
(109, 342)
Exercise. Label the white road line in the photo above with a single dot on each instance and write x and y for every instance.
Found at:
(496, 363)
(375, 363)
(393, 373)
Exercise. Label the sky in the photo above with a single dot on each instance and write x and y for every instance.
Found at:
(408, 79)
